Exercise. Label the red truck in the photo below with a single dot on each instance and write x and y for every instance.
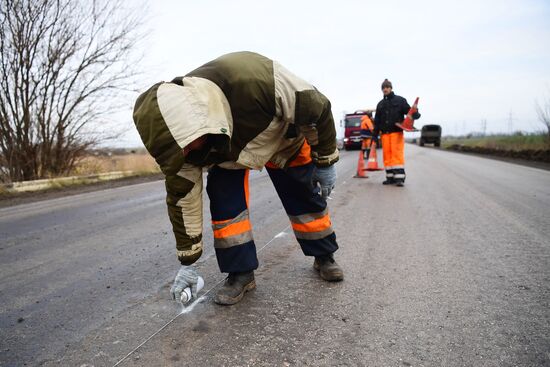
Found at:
(352, 129)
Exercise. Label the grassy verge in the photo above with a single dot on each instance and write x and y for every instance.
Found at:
(90, 170)
(122, 162)
(16, 198)
(535, 147)
(502, 142)
(81, 183)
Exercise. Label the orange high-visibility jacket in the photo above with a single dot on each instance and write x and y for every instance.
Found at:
(367, 127)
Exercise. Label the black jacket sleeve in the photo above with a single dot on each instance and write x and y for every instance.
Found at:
(405, 107)
(377, 120)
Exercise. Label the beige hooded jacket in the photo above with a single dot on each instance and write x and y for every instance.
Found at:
(255, 110)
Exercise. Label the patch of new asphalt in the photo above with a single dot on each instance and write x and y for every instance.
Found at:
(451, 270)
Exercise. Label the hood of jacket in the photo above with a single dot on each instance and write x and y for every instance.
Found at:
(169, 116)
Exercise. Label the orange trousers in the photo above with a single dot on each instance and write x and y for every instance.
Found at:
(393, 146)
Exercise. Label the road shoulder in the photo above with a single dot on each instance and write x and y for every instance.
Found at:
(12, 199)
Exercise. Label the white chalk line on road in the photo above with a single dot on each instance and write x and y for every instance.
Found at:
(189, 308)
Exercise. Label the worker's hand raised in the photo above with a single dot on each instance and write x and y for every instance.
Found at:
(325, 177)
(187, 277)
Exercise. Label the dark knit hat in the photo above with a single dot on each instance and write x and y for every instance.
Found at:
(386, 83)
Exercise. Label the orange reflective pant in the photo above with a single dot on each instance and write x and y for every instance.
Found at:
(393, 147)
(366, 143)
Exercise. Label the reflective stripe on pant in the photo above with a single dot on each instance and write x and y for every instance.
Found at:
(393, 147)
(233, 241)
(305, 208)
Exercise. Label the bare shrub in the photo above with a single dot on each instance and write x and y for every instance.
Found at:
(63, 67)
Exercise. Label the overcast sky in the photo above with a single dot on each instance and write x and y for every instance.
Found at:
(467, 60)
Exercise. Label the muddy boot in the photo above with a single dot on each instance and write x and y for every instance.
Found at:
(399, 182)
(389, 181)
(234, 288)
(328, 269)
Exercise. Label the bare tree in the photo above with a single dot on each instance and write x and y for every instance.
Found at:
(543, 113)
(63, 67)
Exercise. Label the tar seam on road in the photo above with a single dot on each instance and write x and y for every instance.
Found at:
(278, 235)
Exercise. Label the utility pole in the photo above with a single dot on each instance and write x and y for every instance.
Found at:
(484, 127)
(510, 122)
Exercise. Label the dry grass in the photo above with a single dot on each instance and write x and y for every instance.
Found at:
(517, 142)
(141, 163)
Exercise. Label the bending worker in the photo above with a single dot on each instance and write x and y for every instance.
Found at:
(390, 110)
(239, 112)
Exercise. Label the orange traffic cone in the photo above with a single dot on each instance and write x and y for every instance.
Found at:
(408, 123)
(372, 163)
(361, 167)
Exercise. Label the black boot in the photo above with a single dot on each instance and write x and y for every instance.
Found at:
(328, 269)
(234, 288)
(399, 174)
(390, 180)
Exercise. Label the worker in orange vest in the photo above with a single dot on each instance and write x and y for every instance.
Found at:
(367, 127)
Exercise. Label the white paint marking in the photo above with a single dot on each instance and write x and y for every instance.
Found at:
(187, 309)
(279, 235)
(190, 308)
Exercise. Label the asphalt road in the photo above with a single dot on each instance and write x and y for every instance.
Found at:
(451, 270)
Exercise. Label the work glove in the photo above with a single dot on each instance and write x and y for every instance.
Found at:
(416, 115)
(187, 277)
(326, 178)
(374, 140)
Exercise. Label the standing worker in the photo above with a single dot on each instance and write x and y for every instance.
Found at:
(390, 110)
(239, 112)
(367, 127)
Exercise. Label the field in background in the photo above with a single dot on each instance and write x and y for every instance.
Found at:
(138, 162)
(532, 147)
(102, 166)
(503, 142)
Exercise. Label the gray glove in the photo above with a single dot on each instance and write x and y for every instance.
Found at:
(187, 277)
(326, 178)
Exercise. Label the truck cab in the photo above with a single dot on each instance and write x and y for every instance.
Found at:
(430, 134)
(352, 129)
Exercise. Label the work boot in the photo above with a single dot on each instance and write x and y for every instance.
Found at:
(328, 268)
(234, 288)
(399, 182)
(389, 181)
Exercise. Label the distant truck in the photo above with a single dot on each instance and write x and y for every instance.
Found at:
(430, 134)
(352, 129)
